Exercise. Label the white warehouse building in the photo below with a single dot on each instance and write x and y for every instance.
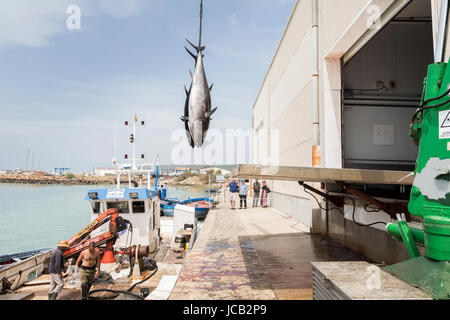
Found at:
(340, 92)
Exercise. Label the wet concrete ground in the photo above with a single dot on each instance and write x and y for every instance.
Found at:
(284, 261)
(254, 254)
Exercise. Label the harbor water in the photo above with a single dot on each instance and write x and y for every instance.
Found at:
(38, 216)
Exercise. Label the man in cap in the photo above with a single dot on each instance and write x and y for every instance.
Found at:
(56, 269)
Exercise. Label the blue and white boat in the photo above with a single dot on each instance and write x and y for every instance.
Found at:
(138, 205)
(202, 206)
(168, 206)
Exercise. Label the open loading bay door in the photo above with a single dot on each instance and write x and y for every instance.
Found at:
(383, 85)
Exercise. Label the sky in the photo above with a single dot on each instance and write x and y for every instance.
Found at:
(62, 90)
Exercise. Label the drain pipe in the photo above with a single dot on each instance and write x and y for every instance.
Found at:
(316, 161)
(315, 46)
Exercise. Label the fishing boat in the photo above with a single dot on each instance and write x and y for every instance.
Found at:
(21, 267)
(168, 206)
(10, 259)
(124, 225)
(139, 206)
(201, 205)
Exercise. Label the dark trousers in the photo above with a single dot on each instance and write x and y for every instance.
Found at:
(243, 199)
(255, 198)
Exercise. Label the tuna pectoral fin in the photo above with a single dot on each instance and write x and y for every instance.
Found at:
(192, 55)
(210, 113)
(187, 92)
(184, 119)
(210, 88)
(199, 49)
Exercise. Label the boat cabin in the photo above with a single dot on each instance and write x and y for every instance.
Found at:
(140, 206)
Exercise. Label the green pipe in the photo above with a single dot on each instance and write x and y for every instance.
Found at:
(418, 235)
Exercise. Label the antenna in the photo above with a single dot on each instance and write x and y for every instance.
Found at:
(28, 155)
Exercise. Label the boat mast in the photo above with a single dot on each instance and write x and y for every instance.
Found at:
(157, 172)
(133, 139)
(114, 161)
(134, 143)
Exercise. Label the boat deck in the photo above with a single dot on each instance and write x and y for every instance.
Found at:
(250, 254)
(168, 259)
(254, 254)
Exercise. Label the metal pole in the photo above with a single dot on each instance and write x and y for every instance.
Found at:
(442, 30)
(114, 161)
(156, 177)
(315, 47)
(129, 179)
(134, 146)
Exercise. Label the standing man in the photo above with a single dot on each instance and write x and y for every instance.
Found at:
(234, 189)
(243, 189)
(56, 269)
(91, 260)
(256, 190)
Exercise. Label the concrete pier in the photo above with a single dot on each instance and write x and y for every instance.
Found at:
(254, 254)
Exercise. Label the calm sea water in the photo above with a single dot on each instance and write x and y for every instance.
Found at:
(35, 216)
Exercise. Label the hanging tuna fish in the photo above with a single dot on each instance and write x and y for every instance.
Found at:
(197, 109)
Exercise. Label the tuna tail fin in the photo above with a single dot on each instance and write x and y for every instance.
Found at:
(199, 49)
(201, 27)
(191, 54)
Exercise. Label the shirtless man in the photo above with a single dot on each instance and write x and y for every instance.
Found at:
(91, 260)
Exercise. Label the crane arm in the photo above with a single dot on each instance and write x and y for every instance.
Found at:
(101, 220)
(79, 242)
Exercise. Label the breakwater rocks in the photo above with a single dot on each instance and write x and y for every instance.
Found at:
(50, 179)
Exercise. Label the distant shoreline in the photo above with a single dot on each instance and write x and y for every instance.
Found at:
(88, 180)
(52, 180)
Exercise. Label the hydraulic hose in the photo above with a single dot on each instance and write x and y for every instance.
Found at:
(116, 293)
(423, 104)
